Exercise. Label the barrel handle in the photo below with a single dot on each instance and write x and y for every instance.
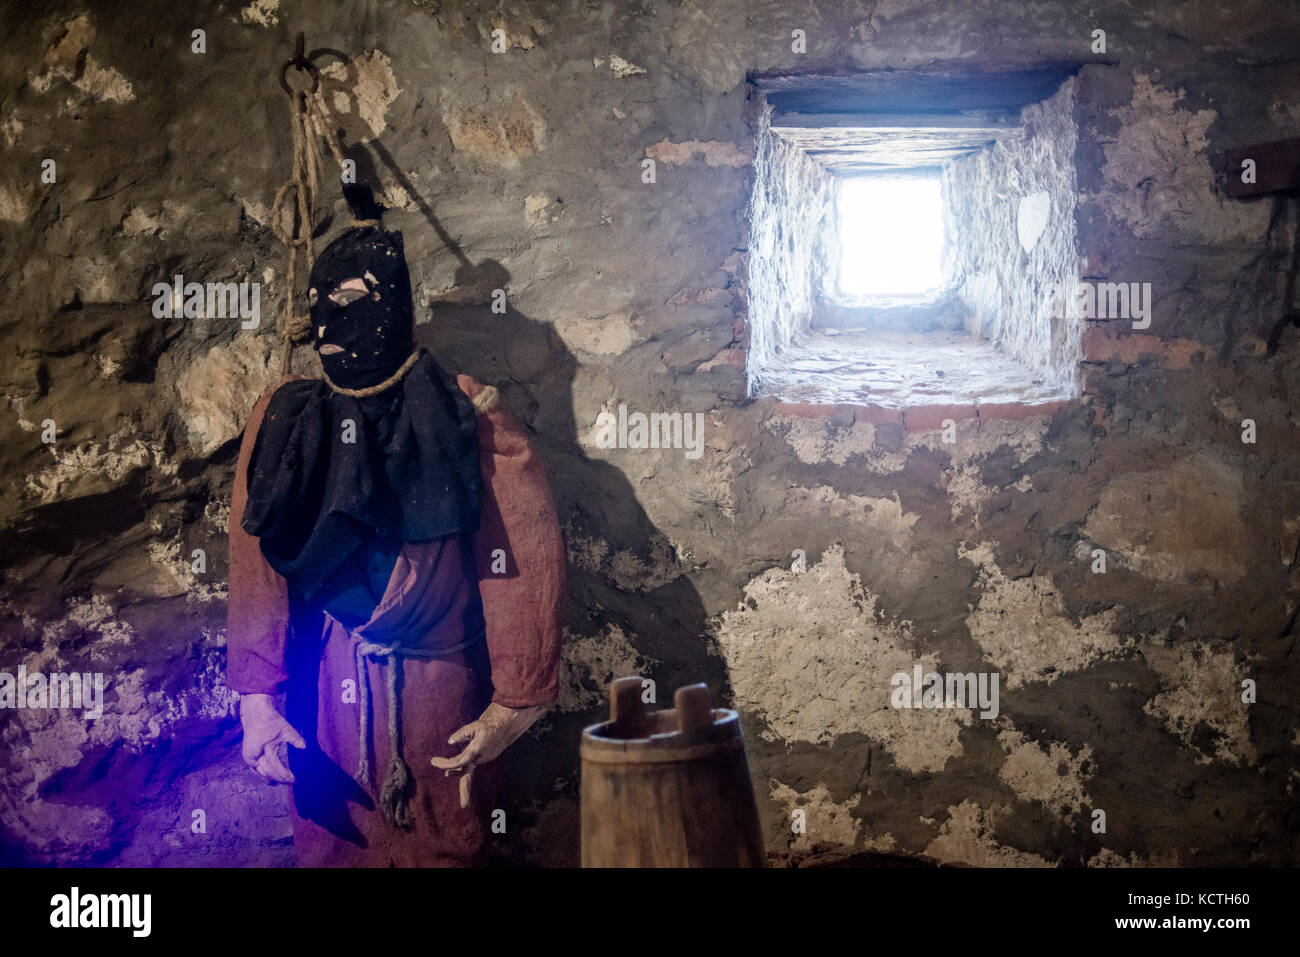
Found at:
(694, 711)
(627, 714)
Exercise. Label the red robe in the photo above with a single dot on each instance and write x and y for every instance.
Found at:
(276, 646)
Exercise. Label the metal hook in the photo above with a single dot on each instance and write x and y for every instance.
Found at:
(300, 62)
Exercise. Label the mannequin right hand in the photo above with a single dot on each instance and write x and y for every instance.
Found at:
(265, 730)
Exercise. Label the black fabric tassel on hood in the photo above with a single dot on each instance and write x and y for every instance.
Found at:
(411, 469)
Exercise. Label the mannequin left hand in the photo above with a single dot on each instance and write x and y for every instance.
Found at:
(496, 729)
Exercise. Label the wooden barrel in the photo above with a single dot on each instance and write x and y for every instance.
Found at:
(667, 788)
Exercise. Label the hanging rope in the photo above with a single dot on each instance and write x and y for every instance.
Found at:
(297, 236)
(307, 127)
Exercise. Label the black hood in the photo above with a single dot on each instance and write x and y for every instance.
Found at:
(330, 471)
(375, 329)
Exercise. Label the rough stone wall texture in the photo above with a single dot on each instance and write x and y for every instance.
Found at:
(1012, 206)
(1121, 691)
(790, 217)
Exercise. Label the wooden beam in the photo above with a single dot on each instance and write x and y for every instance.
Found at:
(947, 88)
(988, 124)
(1276, 167)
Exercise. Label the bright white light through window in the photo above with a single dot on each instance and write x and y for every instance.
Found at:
(891, 236)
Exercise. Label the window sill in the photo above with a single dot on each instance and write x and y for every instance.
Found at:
(915, 378)
(900, 313)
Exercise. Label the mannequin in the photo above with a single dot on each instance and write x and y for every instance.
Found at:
(366, 512)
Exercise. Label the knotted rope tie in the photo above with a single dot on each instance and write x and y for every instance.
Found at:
(394, 800)
(395, 793)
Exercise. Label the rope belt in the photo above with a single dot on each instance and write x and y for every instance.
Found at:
(394, 794)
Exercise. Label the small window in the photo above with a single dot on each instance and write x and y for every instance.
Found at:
(891, 236)
(904, 228)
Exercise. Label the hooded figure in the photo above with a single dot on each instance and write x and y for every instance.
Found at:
(334, 468)
(370, 515)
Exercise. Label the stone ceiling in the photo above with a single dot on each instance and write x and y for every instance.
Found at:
(900, 120)
(871, 144)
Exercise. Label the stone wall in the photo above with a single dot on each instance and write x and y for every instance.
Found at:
(791, 246)
(1012, 206)
(796, 565)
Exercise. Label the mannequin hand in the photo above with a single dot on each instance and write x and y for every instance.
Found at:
(265, 730)
(495, 730)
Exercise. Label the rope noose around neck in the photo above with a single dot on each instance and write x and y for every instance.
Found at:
(378, 387)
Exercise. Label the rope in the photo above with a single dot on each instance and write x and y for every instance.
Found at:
(307, 128)
(388, 383)
(395, 793)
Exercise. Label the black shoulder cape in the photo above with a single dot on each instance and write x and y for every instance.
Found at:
(411, 471)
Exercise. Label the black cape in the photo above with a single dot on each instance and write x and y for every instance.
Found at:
(412, 471)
